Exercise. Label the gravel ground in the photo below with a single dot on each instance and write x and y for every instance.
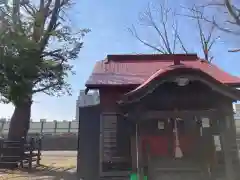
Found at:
(55, 165)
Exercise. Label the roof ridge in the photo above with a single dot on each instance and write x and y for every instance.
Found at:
(156, 57)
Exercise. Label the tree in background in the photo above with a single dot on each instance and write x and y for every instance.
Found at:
(234, 12)
(226, 17)
(164, 19)
(37, 46)
(160, 20)
(207, 32)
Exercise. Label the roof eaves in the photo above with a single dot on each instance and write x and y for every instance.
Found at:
(97, 86)
(235, 85)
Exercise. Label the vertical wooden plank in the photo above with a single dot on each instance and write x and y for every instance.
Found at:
(226, 144)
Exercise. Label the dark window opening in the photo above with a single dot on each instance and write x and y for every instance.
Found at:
(116, 143)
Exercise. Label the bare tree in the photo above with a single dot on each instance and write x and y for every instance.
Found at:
(226, 18)
(234, 12)
(166, 28)
(168, 41)
(206, 39)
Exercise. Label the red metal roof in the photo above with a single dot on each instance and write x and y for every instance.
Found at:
(122, 70)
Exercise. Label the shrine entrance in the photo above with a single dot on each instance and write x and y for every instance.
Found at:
(184, 127)
(175, 138)
(183, 145)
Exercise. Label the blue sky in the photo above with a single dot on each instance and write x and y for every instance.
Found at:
(109, 21)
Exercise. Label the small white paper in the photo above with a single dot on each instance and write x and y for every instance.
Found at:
(217, 143)
(205, 122)
(160, 125)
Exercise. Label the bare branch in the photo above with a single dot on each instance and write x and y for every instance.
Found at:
(16, 12)
(46, 87)
(149, 18)
(52, 23)
(229, 9)
(233, 11)
(30, 9)
(165, 14)
(234, 50)
(229, 26)
(207, 40)
(134, 33)
(168, 40)
(175, 37)
(50, 53)
(181, 43)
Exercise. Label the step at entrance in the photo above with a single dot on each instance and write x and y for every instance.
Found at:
(175, 169)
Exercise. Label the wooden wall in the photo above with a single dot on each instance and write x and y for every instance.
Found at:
(110, 96)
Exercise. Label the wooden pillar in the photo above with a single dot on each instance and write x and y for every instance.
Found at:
(208, 148)
(226, 143)
(133, 154)
(136, 146)
(234, 150)
(233, 134)
(234, 146)
(88, 143)
(136, 150)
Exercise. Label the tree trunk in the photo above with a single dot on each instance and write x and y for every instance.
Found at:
(18, 130)
(20, 120)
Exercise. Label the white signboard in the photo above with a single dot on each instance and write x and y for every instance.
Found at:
(160, 125)
(205, 122)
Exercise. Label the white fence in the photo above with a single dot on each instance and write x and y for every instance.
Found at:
(55, 127)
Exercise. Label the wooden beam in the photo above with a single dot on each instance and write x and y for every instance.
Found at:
(146, 115)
